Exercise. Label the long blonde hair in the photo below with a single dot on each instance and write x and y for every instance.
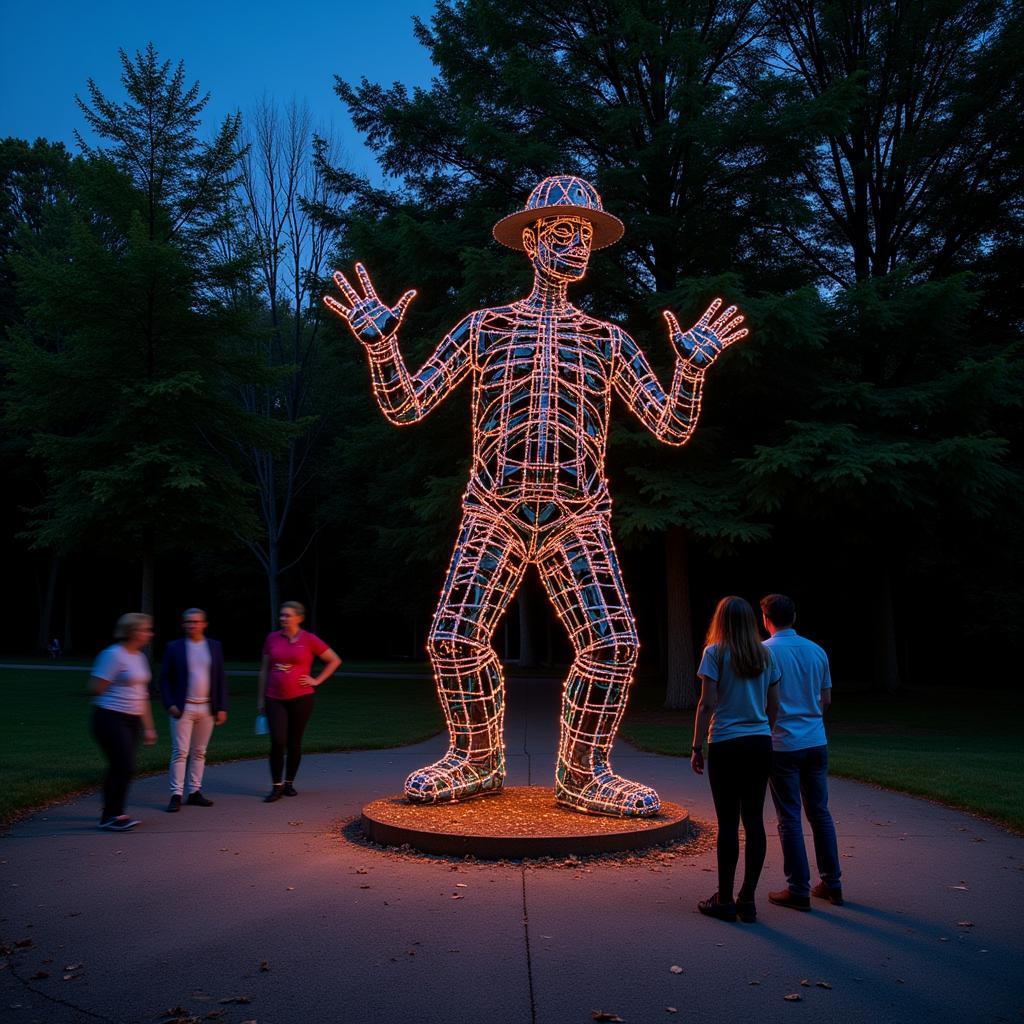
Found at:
(734, 629)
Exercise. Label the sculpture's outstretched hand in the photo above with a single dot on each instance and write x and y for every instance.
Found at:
(367, 317)
(705, 341)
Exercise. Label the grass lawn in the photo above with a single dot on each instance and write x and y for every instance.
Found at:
(960, 747)
(47, 750)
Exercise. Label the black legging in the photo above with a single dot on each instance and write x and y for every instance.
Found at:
(118, 736)
(287, 720)
(738, 771)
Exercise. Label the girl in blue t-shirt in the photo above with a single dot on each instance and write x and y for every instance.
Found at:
(738, 702)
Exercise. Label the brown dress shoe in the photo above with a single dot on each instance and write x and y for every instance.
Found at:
(827, 892)
(784, 898)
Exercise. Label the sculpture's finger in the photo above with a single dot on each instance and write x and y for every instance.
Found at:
(364, 277)
(729, 326)
(717, 325)
(673, 324)
(709, 313)
(738, 336)
(403, 303)
(346, 289)
(336, 307)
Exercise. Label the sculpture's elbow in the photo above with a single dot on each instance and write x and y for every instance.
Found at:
(404, 415)
(675, 432)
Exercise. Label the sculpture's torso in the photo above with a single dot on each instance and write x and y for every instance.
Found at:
(542, 387)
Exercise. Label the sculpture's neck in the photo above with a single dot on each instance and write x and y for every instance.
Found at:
(549, 294)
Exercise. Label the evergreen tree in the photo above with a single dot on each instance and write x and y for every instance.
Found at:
(898, 440)
(120, 373)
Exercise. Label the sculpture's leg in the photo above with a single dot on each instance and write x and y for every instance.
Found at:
(486, 569)
(582, 578)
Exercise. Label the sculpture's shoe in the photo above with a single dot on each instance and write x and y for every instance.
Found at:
(605, 793)
(455, 777)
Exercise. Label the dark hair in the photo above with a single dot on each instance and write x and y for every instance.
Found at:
(779, 610)
(295, 606)
(734, 629)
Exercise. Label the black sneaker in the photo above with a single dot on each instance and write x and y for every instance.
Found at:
(275, 794)
(290, 790)
(827, 892)
(711, 907)
(175, 803)
(197, 799)
(122, 823)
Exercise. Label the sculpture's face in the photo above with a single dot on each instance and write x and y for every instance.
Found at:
(559, 247)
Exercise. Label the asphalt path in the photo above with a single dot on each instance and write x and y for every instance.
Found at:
(280, 914)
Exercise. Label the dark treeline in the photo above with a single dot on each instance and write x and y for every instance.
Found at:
(181, 425)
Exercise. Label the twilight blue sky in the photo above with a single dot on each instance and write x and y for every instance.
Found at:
(237, 51)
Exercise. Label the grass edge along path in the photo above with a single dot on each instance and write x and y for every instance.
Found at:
(963, 751)
(47, 753)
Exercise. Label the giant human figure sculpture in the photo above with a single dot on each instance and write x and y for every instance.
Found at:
(542, 373)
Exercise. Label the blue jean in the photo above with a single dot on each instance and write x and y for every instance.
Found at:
(803, 774)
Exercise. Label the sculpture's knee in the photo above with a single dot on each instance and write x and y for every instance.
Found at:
(610, 658)
(453, 654)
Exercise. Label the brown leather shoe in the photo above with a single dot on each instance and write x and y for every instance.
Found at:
(827, 892)
(784, 898)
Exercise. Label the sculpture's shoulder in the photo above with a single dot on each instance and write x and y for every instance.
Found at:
(496, 317)
(598, 334)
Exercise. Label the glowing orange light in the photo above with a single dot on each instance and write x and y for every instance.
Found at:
(543, 372)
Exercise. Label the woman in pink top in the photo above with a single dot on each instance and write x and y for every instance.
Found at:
(285, 693)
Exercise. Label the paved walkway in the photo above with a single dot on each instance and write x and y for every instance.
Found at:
(272, 913)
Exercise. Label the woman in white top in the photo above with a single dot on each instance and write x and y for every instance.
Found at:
(739, 699)
(121, 710)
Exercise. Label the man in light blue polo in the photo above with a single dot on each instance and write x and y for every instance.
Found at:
(800, 758)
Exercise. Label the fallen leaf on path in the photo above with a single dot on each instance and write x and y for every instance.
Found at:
(676, 969)
(291, 888)
(965, 924)
(793, 997)
(176, 1011)
(362, 871)
(264, 966)
(823, 984)
(364, 887)
(604, 1015)
(671, 1009)
(457, 896)
(235, 999)
(73, 975)
(39, 975)
(960, 888)
(23, 944)
(805, 983)
(461, 885)
(73, 967)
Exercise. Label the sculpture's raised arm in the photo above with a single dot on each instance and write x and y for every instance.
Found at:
(402, 397)
(672, 416)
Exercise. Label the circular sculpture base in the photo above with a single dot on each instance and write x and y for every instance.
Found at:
(521, 821)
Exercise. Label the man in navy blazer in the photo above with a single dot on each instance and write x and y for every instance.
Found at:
(195, 694)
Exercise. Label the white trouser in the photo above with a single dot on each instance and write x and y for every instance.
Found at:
(189, 735)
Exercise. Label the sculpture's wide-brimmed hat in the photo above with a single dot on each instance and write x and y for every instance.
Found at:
(561, 196)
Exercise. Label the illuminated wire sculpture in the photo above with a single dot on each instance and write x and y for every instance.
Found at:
(542, 372)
